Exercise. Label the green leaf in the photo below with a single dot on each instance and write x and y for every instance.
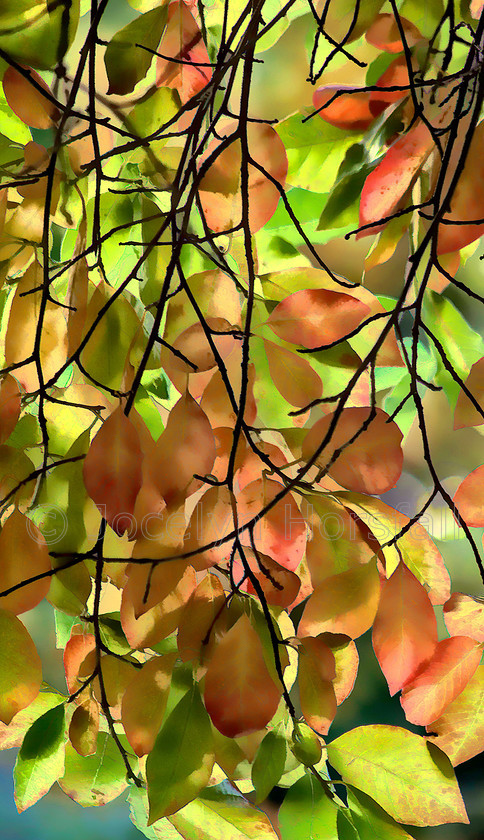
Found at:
(112, 634)
(268, 764)
(94, 779)
(37, 32)
(40, 761)
(216, 815)
(408, 777)
(307, 811)
(13, 735)
(152, 112)
(181, 761)
(371, 821)
(315, 150)
(342, 206)
(127, 63)
(138, 811)
(462, 345)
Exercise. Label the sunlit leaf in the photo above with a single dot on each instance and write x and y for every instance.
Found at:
(144, 702)
(27, 101)
(126, 60)
(469, 498)
(413, 783)
(20, 667)
(94, 779)
(23, 554)
(459, 730)
(40, 761)
(464, 616)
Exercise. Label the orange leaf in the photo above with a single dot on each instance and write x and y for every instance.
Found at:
(405, 628)
(469, 498)
(396, 75)
(149, 584)
(315, 317)
(292, 375)
(144, 702)
(27, 101)
(23, 554)
(117, 675)
(20, 667)
(76, 650)
(384, 33)
(186, 447)
(182, 40)
(279, 585)
(252, 465)
(112, 470)
(337, 542)
(344, 603)
(466, 414)
(281, 532)
(84, 727)
(201, 620)
(220, 193)
(9, 406)
(387, 184)
(464, 616)
(240, 695)
(442, 679)
(372, 463)
(348, 111)
(467, 203)
(460, 729)
(161, 619)
(316, 672)
(211, 520)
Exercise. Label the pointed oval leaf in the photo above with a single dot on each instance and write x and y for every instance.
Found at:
(112, 470)
(268, 765)
(198, 629)
(348, 111)
(316, 673)
(181, 761)
(469, 498)
(84, 727)
(466, 414)
(441, 680)
(464, 616)
(281, 532)
(466, 202)
(459, 730)
(126, 62)
(23, 554)
(40, 761)
(182, 41)
(344, 603)
(372, 463)
(9, 406)
(20, 667)
(240, 694)
(315, 317)
(292, 375)
(27, 101)
(186, 447)
(144, 702)
(415, 785)
(405, 628)
(307, 811)
(385, 33)
(94, 779)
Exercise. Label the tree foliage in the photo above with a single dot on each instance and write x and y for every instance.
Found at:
(199, 415)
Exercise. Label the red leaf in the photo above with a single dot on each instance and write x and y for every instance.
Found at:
(281, 532)
(396, 75)
(469, 498)
(464, 616)
(9, 406)
(405, 628)
(348, 111)
(387, 184)
(182, 40)
(442, 680)
(240, 694)
(186, 447)
(384, 33)
(316, 317)
(372, 463)
(112, 470)
(316, 673)
(467, 202)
